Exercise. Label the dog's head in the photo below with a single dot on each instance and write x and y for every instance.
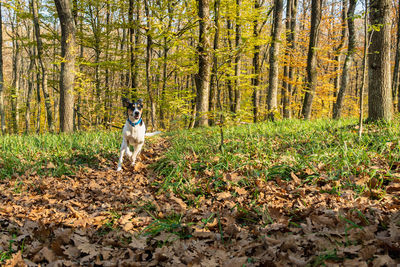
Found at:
(134, 109)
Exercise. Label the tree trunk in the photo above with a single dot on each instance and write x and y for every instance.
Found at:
(148, 64)
(364, 70)
(238, 37)
(67, 75)
(379, 80)
(214, 72)
(396, 72)
(2, 117)
(14, 92)
(338, 51)
(311, 83)
(203, 76)
(344, 82)
(291, 12)
(272, 98)
(255, 81)
(35, 8)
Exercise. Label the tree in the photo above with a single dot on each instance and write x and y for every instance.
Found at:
(2, 117)
(291, 12)
(272, 98)
(68, 54)
(203, 75)
(379, 78)
(311, 83)
(39, 43)
(344, 82)
(238, 37)
(396, 71)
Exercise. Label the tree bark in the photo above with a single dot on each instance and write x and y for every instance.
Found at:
(2, 117)
(379, 78)
(15, 76)
(67, 75)
(35, 8)
(214, 71)
(238, 37)
(396, 71)
(338, 51)
(311, 83)
(344, 82)
(291, 12)
(272, 98)
(203, 76)
(148, 64)
(255, 81)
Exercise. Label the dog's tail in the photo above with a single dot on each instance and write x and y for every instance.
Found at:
(152, 134)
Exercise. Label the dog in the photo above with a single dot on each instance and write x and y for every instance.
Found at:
(134, 131)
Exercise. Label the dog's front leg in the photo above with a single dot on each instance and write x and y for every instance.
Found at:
(138, 147)
(124, 147)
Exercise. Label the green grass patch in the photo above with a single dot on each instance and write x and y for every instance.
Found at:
(274, 150)
(56, 154)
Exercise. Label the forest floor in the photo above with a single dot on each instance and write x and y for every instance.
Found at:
(195, 206)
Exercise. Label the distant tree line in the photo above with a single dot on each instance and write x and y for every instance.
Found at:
(66, 64)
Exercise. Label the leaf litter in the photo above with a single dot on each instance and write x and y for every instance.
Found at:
(106, 218)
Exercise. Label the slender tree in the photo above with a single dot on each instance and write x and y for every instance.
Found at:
(238, 38)
(39, 43)
(396, 71)
(68, 54)
(214, 71)
(2, 117)
(344, 82)
(379, 80)
(311, 83)
(272, 98)
(255, 80)
(203, 76)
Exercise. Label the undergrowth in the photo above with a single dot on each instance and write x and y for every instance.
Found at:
(56, 154)
(311, 150)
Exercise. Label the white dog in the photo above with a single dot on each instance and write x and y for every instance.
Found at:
(133, 132)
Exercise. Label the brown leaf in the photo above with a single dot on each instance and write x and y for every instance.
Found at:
(383, 260)
(138, 243)
(16, 261)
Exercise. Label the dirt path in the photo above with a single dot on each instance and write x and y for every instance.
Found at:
(107, 218)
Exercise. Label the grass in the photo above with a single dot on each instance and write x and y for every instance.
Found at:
(274, 150)
(55, 155)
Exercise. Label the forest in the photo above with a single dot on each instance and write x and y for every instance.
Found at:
(273, 133)
(195, 63)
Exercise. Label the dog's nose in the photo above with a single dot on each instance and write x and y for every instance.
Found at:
(136, 113)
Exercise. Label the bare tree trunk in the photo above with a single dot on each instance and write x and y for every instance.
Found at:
(291, 12)
(214, 71)
(255, 81)
(238, 37)
(131, 33)
(35, 8)
(203, 76)
(15, 77)
(396, 72)
(272, 97)
(379, 82)
(344, 82)
(364, 70)
(67, 75)
(311, 84)
(148, 64)
(338, 51)
(2, 117)
(30, 89)
(231, 92)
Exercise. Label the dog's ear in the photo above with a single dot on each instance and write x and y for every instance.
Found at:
(126, 102)
(140, 101)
